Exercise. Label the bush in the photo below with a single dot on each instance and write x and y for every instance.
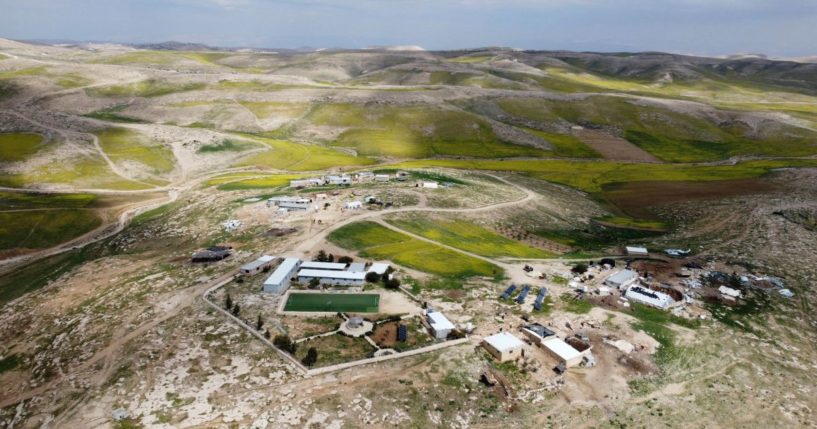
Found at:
(311, 357)
(314, 283)
(372, 277)
(579, 268)
(284, 343)
(345, 260)
(392, 284)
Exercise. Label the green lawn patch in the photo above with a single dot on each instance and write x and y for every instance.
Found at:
(15, 147)
(566, 146)
(469, 237)
(235, 183)
(112, 114)
(333, 302)
(37, 229)
(287, 155)
(226, 145)
(33, 200)
(123, 145)
(573, 305)
(378, 242)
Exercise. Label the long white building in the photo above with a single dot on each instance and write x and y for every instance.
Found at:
(278, 281)
(332, 277)
(649, 297)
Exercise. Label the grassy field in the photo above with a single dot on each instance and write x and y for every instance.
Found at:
(590, 176)
(24, 200)
(263, 110)
(82, 171)
(333, 302)
(42, 228)
(378, 242)
(145, 88)
(125, 145)
(15, 147)
(235, 183)
(566, 146)
(33, 276)
(286, 155)
(415, 132)
(469, 237)
(669, 135)
(335, 349)
(113, 114)
(226, 145)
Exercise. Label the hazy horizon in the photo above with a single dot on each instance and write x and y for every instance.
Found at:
(694, 27)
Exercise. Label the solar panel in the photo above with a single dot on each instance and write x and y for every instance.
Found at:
(522, 295)
(508, 292)
(402, 333)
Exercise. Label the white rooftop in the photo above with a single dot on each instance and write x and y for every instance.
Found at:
(331, 274)
(312, 265)
(637, 250)
(562, 349)
(622, 276)
(257, 263)
(648, 296)
(280, 274)
(379, 268)
(504, 342)
(439, 322)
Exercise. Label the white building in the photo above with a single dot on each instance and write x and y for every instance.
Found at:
(365, 176)
(357, 267)
(306, 183)
(339, 180)
(379, 268)
(314, 265)
(637, 251)
(382, 178)
(278, 281)
(622, 279)
(290, 203)
(353, 205)
(649, 297)
(440, 325)
(257, 265)
(429, 185)
(504, 346)
(332, 277)
(563, 352)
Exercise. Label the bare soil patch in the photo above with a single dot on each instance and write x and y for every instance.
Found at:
(636, 198)
(614, 148)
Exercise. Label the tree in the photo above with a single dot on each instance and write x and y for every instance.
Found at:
(228, 302)
(259, 323)
(314, 283)
(236, 310)
(372, 277)
(392, 283)
(266, 333)
(284, 343)
(321, 256)
(330, 258)
(311, 357)
(579, 268)
(345, 260)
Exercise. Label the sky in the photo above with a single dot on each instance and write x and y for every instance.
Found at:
(778, 28)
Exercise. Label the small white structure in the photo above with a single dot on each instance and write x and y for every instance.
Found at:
(504, 346)
(353, 205)
(429, 185)
(440, 325)
(330, 277)
(382, 177)
(231, 225)
(786, 293)
(306, 183)
(290, 203)
(257, 265)
(379, 268)
(649, 297)
(563, 352)
(278, 281)
(402, 176)
(728, 291)
(365, 176)
(354, 322)
(339, 180)
(314, 265)
(637, 251)
(622, 279)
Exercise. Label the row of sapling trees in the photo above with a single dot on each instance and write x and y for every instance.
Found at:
(283, 341)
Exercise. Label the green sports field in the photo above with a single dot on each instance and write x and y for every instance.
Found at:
(333, 302)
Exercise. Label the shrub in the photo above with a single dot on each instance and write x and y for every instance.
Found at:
(392, 284)
(284, 343)
(345, 260)
(311, 357)
(579, 268)
(372, 277)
